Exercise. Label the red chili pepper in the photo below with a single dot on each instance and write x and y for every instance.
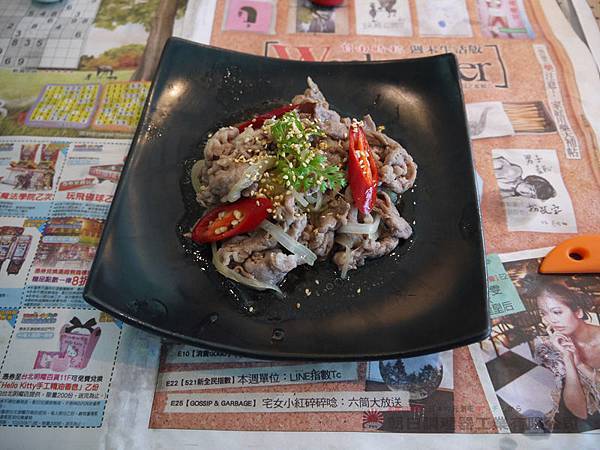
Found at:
(231, 219)
(259, 120)
(362, 170)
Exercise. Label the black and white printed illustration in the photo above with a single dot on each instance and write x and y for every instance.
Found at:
(488, 119)
(534, 195)
(383, 17)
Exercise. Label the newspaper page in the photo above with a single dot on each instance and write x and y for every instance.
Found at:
(525, 125)
(539, 354)
(72, 88)
(204, 389)
(58, 352)
(71, 95)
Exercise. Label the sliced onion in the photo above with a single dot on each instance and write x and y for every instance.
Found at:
(375, 235)
(195, 175)
(346, 265)
(251, 174)
(300, 198)
(361, 228)
(343, 239)
(346, 241)
(301, 251)
(236, 276)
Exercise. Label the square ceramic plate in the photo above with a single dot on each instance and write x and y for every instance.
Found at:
(428, 295)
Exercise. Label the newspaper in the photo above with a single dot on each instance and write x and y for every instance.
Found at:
(411, 394)
(76, 374)
(526, 357)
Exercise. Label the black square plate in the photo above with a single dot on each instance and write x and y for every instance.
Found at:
(428, 295)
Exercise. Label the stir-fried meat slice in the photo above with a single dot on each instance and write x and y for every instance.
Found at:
(394, 222)
(320, 232)
(270, 266)
(227, 154)
(239, 248)
(329, 120)
(364, 247)
(397, 170)
(256, 255)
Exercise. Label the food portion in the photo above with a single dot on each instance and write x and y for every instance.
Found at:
(296, 185)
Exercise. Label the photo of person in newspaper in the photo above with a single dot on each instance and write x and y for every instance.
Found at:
(571, 350)
(512, 184)
(312, 19)
(543, 360)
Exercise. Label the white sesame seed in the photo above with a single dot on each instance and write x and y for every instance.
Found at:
(307, 292)
(358, 291)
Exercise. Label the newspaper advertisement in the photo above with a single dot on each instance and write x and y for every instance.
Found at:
(538, 361)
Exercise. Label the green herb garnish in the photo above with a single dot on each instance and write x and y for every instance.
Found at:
(300, 165)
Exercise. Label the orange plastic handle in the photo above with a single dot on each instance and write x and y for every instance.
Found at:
(576, 255)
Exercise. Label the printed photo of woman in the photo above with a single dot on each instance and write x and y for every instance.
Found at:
(571, 350)
(543, 355)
